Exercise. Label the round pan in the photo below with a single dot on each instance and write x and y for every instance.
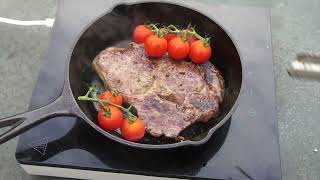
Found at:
(115, 29)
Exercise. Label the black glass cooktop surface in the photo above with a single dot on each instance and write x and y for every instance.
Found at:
(244, 148)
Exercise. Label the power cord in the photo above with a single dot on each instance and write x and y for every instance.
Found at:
(48, 22)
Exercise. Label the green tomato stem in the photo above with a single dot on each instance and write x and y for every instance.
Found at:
(159, 33)
(85, 98)
(194, 33)
(173, 27)
(188, 32)
(93, 92)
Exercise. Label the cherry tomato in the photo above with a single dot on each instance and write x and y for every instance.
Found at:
(111, 119)
(169, 36)
(155, 46)
(140, 33)
(112, 96)
(133, 131)
(178, 49)
(192, 39)
(199, 53)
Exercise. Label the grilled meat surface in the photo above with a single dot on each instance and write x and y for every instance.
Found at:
(168, 95)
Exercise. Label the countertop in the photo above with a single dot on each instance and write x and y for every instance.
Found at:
(295, 28)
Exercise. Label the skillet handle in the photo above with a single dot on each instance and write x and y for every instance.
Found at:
(24, 121)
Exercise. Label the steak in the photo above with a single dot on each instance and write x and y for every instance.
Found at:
(168, 95)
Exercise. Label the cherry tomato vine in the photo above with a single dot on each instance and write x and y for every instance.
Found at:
(92, 96)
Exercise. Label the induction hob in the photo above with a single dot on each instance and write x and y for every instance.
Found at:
(244, 148)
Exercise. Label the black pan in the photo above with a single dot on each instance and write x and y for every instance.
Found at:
(114, 29)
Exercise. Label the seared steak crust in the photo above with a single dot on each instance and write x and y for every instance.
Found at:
(168, 95)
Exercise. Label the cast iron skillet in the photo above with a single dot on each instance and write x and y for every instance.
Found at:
(114, 29)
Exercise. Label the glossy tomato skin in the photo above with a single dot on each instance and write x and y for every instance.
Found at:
(169, 36)
(191, 40)
(199, 53)
(140, 33)
(112, 122)
(113, 97)
(178, 49)
(155, 46)
(133, 131)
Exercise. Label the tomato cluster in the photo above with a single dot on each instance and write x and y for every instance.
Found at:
(178, 43)
(110, 118)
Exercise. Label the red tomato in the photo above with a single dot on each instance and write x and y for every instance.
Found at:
(112, 96)
(155, 46)
(111, 119)
(199, 53)
(140, 33)
(192, 39)
(133, 131)
(169, 36)
(178, 49)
